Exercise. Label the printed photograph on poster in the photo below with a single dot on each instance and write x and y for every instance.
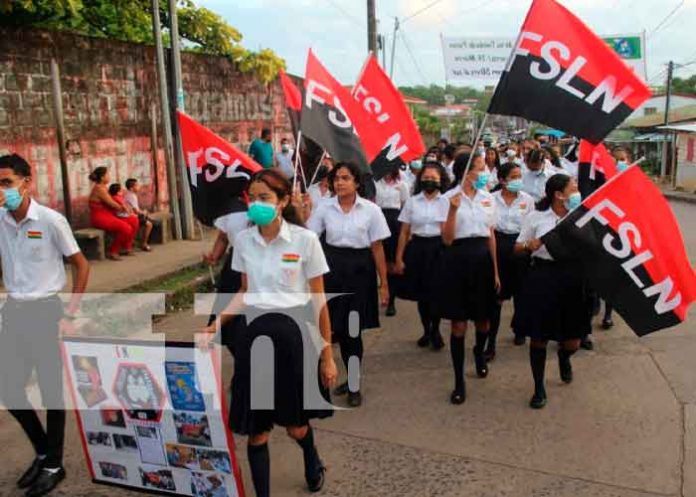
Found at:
(192, 429)
(138, 391)
(99, 438)
(114, 471)
(88, 379)
(214, 460)
(160, 479)
(183, 386)
(125, 443)
(206, 485)
(180, 456)
(150, 445)
(112, 416)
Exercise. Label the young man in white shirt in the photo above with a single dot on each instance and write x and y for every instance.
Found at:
(131, 198)
(33, 242)
(284, 159)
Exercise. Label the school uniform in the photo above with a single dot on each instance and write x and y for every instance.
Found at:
(277, 305)
(390, 198)
(551, 304)
(410, 179)
(33, 273)
(316, 195)
(534, 182)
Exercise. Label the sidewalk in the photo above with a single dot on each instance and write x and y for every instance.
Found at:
(677, 196)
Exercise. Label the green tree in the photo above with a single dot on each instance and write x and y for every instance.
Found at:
(686, 85)
(131, 20)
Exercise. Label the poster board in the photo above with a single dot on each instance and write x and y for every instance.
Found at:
(152, 417)
(481, 59)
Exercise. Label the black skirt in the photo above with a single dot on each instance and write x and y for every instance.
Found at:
(421, 258)
(352, 272)
(390, 244)
(511, 266)
(465, 282)
(552, 302)
(229, 283)
(288, 407)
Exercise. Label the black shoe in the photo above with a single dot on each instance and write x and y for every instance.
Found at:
(587, 344)
(341, 389)
(46, 482)
(538, 400)
(565, 368)
(607, 324)
(31, 474)
(437, 342)
(317, 483)
(423, 341)
(458, 396)
(354, 399)
(489, 354)
(520, 340)
(481, 364)
(391, 310)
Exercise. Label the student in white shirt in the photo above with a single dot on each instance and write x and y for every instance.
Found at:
(536, 174)
(448, 158)
(131, 198)
(354, 229)
(468, 274)
(392, 193)
(492, 163)
(410, 175)
(420, 246)
(284, 159)
(512, 206)
(33, 242)
(551, 304)
(320, 189)
(282, 267)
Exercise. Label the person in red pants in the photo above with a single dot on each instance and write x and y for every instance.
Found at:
(103, 210)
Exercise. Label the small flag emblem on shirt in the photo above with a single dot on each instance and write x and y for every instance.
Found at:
(36, 235)
(291, 257)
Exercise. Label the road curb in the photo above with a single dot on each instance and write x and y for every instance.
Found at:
(687, 198)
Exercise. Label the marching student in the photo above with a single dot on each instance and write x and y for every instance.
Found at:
(552, 301)
(493, 164)
(468, 272)
(33, 242)
(281, 266)
(535, 174)
(320, 190)
(392, 193)
(410, 175)
(449, 154)
(354, 229)
(420, 247)
(512, 206)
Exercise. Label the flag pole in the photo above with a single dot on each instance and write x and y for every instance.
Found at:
(316, 169)
(473, 145)
(210, 269)
(297, 160)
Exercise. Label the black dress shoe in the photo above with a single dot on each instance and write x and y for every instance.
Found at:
(489, 355)
(354, 399)
(587, 344)
(423, 341)
(565, 368)
(520, 340)
(481, 364)
(391, 310)
(437, 342)
(341, 389)
(607, 324)
(317, 483)
(31, 474)
(46, 482)
(538, 400)
(458, 396)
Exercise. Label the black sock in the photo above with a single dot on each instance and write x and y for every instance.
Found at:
(312, 463)
(537, 359)
(565, 355)
(260, 464)
(457, 351)
(495, 325)
(424, 314)
(481, 338)
(435, 325)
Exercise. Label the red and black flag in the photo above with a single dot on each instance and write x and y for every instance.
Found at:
(218, 172)
(293, 100)
(563, 75)
(596, 166)
(633, 256)
(329, 114)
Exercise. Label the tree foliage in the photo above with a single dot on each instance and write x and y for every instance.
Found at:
(686, 85)
(435, 94)
(131, 20)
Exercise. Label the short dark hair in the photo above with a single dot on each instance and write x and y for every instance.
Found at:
(449, 151)
(114, 188)
(265, 132)
(17, 163)
(444, 177)
(130, 183)
(354, 171)
(505, 169)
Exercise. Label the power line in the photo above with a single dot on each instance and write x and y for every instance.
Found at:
(420, 11)
(483, 4)
(343, 11)
(667, 17)
(413, 58)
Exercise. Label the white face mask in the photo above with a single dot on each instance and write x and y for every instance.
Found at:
(285, 148)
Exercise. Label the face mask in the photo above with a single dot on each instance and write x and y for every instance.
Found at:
(416, 165)
(13, 199)
(573, 202)
(482, 180)
(261, 213)
(514, 185)
(622, 166)
(430, 186)
(285, 148)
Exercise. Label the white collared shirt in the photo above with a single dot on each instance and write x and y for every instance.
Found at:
(534, 182)
(232, 224)
(410, 179)
(391, 195)
(32, 252)
(131, 199)
(278, 272)
(450, 170)
(570, 168)
(475, 217)
(285, 164)
(359, 228)
(510, 217)
(425, 216)
(536, 225)
(316, 196)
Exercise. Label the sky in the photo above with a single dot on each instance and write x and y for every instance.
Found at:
(337, 30)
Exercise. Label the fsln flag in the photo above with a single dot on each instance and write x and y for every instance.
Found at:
(596, 166)
(329, 113)
(632, 256)
(293, 100)
(218, 172)
(561, 74)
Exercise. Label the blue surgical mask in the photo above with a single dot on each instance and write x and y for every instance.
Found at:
(482, 180)
(261, 213)
(622, 165)
(13, 199)
(574, 201)
(514, 185)
(416, 165)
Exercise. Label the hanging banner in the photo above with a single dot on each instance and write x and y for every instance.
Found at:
(481, 59)
(631, 48)
(152, 417)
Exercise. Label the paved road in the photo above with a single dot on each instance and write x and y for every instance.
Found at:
(625, 428)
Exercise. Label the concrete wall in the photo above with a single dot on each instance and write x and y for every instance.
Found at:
(107, 90)
(686, 161)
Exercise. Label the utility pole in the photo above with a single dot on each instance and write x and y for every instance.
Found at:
(57, 95)
(668, 98)
(393, 50)
(371, 27)
(166, 122)
(187, 204)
